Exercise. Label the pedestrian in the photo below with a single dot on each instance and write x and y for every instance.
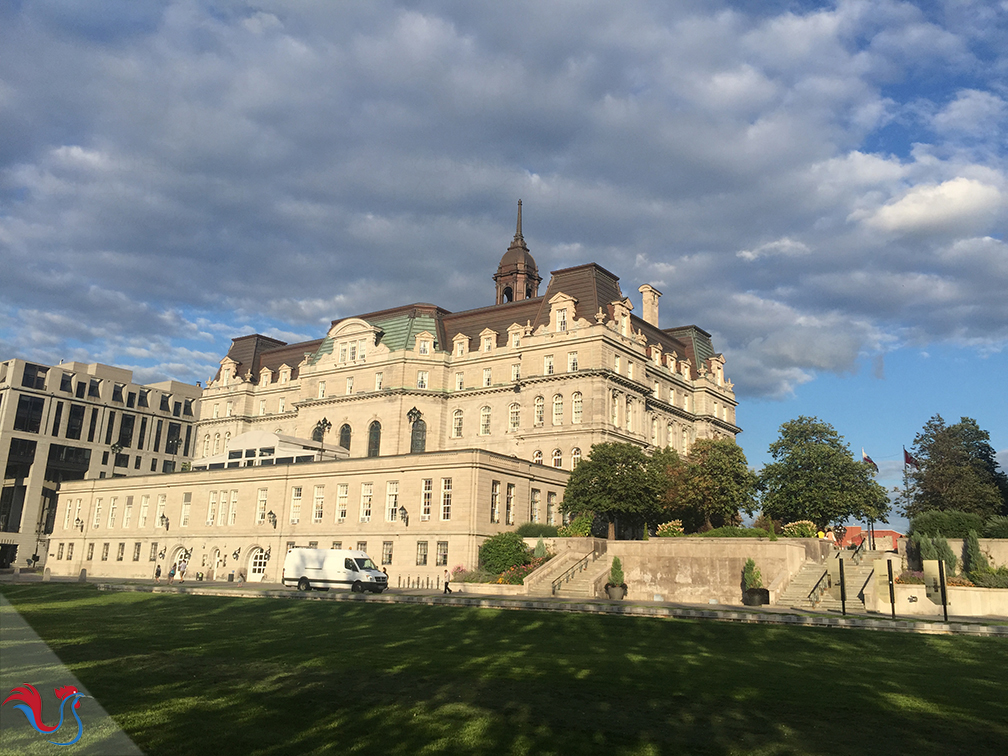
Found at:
(447, 577)
(171, 573)
(181, 570)
(157, 574)
(830, 535)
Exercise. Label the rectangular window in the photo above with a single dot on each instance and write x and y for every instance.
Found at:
(34, 376)
(229, 409)
(421, 553)
(515, 339)
(392, 501)
(319, 505)
(222, 509)
(70, 551)
(629, 370)
(128, 511)
(262, 407)
(112, 512)
(551, 508)
(186, 504)
(548, 364)
(160, 513)
(378, 377)
(66, 383)
(487, 376)
(211, 512)
(81, 388)
(495, 501)
(57, 417)
(424, 347)
(66, 516)
(295, 507)
(509, 504)
(421, 379)
(261, 507)
(459, 381)
(516, 372)
(616, 363)
(97, 515)
(427, 493)
(353, 351)
(342, 494)
(120, 552)
(343, 352)
(362, 546)
(487, 343)
(75, 422)
(657, 390)
(442, 553)
(321, 389)
(572, 362)
(534, 505)
(104, 552)
(144, 506)
(349, 385)
(233, 513)
(28, 417)
(337, 544)
(386, 551)
(153, 552)
(457, 424)
(59, 551)
(281, 404)
(216, 411)
(136, 551)
(459, 348)
(90, 552)
(366, 493)
(446, 498)
(562, 319)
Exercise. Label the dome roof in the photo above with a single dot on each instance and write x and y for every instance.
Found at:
(517, 257)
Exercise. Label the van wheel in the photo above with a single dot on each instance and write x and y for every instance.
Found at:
(357, 587)
(304, 585)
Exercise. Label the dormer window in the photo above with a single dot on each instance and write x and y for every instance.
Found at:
(516, 339)
(562, 320)
(425, 347)
(459, 348)
(487, 343)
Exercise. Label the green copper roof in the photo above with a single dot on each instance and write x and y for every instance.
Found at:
(399, 332)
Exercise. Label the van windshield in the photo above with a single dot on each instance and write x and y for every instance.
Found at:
(365, 564)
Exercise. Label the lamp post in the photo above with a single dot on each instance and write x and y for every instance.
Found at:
(79, 523)
(404, 515)
(271, 516)
(165, 522)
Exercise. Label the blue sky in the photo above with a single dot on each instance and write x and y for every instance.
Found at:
(822, 186)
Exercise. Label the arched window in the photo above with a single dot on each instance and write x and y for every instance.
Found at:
(629, 414)
(575, 457)
(557, 409)
(374, 439)
(457, 424)
(216, 444)
(514, 416)
(537, 457)
(257, 565)
(685, 441)
(227, 440)
(576, 407)
(557, 458)
(614, 408)
(540, 410)
(654, 431)
(670, 434)
(206, 445)
(344, 436)
(485, 421)
(418, 439)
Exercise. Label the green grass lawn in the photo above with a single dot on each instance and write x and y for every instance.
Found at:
(204, 674)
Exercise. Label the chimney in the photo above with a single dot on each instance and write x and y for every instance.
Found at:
(650, 296)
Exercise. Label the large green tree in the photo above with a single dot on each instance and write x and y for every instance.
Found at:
(619, 483)
(711, 485)
(814, 477)
(957, 470)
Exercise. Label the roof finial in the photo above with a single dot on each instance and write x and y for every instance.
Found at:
(518, 232)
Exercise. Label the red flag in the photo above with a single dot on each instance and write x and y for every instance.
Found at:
(866, 458)
(909, 460)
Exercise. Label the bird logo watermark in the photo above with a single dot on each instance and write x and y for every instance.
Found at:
(30, 704)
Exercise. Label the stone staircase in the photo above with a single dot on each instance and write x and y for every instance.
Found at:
(578, 574)
(583, 584)
(856, 576)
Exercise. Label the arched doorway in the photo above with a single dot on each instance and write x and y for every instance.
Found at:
(257, 562)
(216, 565)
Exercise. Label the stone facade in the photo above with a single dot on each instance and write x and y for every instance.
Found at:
(415, 514)
(76, 421)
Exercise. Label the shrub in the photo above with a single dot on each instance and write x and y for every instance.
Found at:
(996, 527)
(952, 523)
(616, 572)
(733, 531)
(580, 527)
(925, 546)
(540, 549)
(751, 576)
(910, 577)
(765, 523)
(516, 575)
(990, 578)
(536, 530)
(945, 554)
(973, 559)
(479, 575)
(800, 529)
(503, 551)
(671, 529)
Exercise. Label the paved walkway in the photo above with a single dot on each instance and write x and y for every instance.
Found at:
(25, 658)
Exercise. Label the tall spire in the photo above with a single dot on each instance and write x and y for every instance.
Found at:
(518, 231)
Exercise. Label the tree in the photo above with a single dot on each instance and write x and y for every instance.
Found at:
(957, 469)
(815, 477)
(712, 486)
(619, 483)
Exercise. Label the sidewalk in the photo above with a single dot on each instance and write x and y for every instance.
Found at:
(25, 658)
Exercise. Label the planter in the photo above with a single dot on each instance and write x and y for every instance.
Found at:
(616, 592)
(755, 596)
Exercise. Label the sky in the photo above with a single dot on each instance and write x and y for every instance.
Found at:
(821, 186)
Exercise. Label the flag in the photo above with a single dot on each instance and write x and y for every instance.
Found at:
(909, 460)
(868, 460)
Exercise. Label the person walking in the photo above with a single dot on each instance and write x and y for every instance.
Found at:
(183, 565)
(157, 574)
(171, 573)
(447, 578)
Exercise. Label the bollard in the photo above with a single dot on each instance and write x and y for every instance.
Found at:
(82, 578)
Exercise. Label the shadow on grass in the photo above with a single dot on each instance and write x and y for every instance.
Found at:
(228, 675)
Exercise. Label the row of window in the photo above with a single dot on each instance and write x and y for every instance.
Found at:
(556, 459)
(535, 503)
(120, 551)
(514, 414)
(440, 558)
(34, 377)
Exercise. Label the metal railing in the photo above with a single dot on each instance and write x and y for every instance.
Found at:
(816, 594)
(580, 566)
(859, 552)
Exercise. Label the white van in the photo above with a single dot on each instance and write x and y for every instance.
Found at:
(322, 569)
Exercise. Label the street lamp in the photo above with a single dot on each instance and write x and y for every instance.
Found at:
(79, 523)
(404, 515)
(165, 522)
(272, 518)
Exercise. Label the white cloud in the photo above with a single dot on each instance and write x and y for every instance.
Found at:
(957, 205)
(783, 247)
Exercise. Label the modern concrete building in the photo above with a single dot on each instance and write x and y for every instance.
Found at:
(74, 421)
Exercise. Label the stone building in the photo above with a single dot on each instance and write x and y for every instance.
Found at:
(74, 421)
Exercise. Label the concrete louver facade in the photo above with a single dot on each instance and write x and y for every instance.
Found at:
(415, 514)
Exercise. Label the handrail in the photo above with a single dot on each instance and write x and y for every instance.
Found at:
(859, 552)
(816, 594)
(580, 566)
